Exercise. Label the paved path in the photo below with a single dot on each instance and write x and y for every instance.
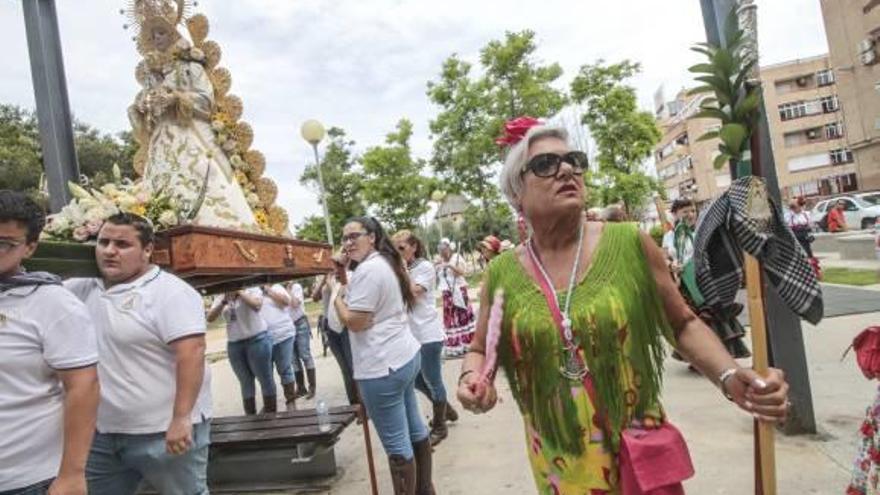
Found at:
(485, 455)
(840, 300)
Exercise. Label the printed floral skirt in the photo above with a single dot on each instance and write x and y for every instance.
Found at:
(866, 475)
(459, 324)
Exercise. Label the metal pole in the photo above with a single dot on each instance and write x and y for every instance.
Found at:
(323, 196)
(50, 93)
(786, 339)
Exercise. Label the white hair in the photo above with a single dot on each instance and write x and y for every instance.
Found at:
(518, 157)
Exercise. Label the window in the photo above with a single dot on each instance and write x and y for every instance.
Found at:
(849, 205)
(841, 155)
(825, 77)
(829, 104)
(682, 140)
(791, 111)
(834, 130)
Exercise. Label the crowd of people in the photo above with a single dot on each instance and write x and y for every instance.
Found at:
(585, 311)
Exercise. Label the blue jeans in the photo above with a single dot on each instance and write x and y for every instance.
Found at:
(302, 346)
(282, 356)
(341, 349)
(392, 405)
(252, 358)
(119, 462)
(430, 380)
(41, 488)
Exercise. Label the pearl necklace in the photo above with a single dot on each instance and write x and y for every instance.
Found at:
(574, 368)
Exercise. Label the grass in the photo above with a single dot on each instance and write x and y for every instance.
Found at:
(848, 276)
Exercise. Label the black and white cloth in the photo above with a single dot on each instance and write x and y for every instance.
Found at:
(727, 229)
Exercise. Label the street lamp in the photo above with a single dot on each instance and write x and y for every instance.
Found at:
(438, 196)
(313, 132)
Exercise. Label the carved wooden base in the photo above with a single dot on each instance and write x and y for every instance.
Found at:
(211, 260)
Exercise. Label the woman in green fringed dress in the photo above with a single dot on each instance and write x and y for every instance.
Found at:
(612, 283)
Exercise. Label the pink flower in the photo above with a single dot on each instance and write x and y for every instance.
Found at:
(515, 130)
(81, 233)
(93, 226)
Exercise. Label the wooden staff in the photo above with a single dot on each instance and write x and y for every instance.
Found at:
(371, 467)
(765, 455)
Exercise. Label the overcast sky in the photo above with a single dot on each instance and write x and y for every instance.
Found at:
(364, 64)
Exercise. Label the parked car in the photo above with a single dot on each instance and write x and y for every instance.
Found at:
(859, 213)
(871, 197)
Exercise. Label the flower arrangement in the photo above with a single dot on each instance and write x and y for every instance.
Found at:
(81, 219)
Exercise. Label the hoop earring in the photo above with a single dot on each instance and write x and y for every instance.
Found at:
(522, 227)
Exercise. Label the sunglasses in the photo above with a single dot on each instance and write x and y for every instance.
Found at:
(547, 164)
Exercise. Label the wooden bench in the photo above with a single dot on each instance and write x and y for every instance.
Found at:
(274, 451)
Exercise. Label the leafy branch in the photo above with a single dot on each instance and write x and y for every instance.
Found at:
(735, 102)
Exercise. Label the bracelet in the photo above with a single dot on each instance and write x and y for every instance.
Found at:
(464, 374)
(722, 381)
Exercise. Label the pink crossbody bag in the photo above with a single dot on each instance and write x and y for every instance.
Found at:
(651, 461)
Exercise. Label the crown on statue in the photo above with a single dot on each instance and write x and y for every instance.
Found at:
(145, 13)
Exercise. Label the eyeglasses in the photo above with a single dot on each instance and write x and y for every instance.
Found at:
(352, 236)
(7, 245)
(547, 164)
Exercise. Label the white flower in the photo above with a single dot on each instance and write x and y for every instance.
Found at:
(196, 54)
(217, 125)
(230, 145)
(73, 214)
(168, 218)
(236, 161)
(253, 200)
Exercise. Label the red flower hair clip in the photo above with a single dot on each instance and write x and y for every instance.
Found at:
(516, 129)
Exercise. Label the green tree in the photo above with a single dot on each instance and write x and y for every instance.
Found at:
(97, 152)
(20, 152)
(21, 163)
(342, 183)
(625, 136)
(473, 111)
(393, 184)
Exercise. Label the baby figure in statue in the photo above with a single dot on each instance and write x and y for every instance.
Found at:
(171, 119)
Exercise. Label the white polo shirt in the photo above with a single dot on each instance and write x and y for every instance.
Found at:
(424, 321)
(388, 345)
(42, 329)
(136, 323)
(296, 293)
(277, 317)
(242, 322)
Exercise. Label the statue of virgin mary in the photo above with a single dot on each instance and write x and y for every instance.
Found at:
(171, 119)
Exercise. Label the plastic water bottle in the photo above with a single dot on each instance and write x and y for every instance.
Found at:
(323, 415)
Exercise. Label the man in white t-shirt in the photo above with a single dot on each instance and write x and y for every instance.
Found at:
(155, 409)
(303, 362)
(48, 377)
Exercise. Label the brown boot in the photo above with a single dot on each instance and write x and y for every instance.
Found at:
(439, 430)
(270, 404)
(313, 383)
(289, 395)
(250, 406)
(451, 414)
(403, 475)
(424, 483)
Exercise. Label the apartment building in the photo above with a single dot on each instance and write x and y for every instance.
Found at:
(806, 126)
(853, 31)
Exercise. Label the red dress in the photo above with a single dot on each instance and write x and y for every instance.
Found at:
(836, 221)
